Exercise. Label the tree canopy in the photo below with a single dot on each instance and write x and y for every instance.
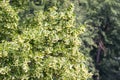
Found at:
(39, 41)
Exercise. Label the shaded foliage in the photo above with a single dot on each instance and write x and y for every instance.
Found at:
(103, 17)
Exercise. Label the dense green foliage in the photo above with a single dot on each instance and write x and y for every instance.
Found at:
(43, 40)
(103, 20)
(39, 41)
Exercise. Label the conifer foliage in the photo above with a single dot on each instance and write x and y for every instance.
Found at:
(103, 19)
